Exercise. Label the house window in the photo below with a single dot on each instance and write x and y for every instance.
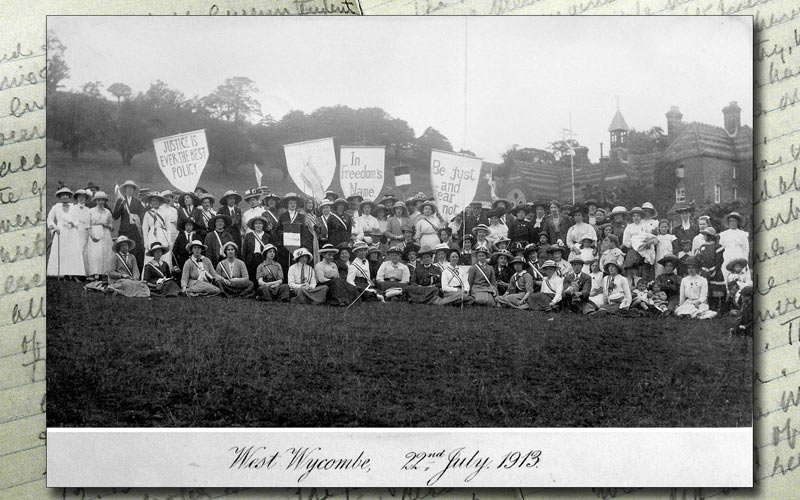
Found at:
(717, 193)
(680, 194)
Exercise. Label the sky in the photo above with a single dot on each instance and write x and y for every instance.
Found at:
(486, 83)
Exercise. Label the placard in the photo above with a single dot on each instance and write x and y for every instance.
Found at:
(311, 165)
(291, 236)
(361, 170)
(454, 180)
(182, 158)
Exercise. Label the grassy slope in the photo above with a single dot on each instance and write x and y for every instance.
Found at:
(218, 362)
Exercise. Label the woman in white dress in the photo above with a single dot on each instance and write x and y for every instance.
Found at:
(79, 216)
(98, 250)
(365, 223)
(734, 241)
(65, 256)
(427, 226)
(154, 226)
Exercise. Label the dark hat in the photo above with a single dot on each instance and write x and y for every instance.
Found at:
(517, 246)
(394, 249)
(557, 248)
(481, 249)
(340, 201)
(157, 245)
(613, 238)
(468, 237)
(447, 229)
(612, 263)
(411, 247)
(669, 258)
(508, 204)
(530, 248)
(182, 223)
(388, 200)
(253, 220)
(212, 222)
(92, 185)
(591, 201)
(332, 194)
(252, 194)
(741, 261)
(579, 209)
(692, 261)
(517, 260)
(426, 250)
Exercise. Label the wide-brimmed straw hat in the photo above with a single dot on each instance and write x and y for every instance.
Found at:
(300, 252)
(157, 245)
(360, 246)
(619, 210)
(334, 194)
(268, 247)
(63, 190)
(212, 222)
(548, 264)
(252, 194)
(328, 248)
(480, 227)
(100, 195)
(709, 231)
(388, 200)
(81, 192)
(207, 196)
(371, 203)
(229, 244)
(669, 258)
(233, 193)
(325, 203)
(425, 251)
(195, 243)
(636, 210)
(429, 203)
(340, 201)
(293, 196)
(154, 196)
(252, 222)
(516, 260)
(481, 249)
(502, 253)
(737, 216)
(128, 183)
(612, 263)
(649, 206)
(741, 261)
(123, 239)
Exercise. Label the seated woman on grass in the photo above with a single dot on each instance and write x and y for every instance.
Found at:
(481, 279)
(198, 276)
(551, 289)
(616, 290)
(269, 276)
(694, 294)
(520, 286)
(158, 274)
(303, 280)
(235, 280)
(340, 292)
(393, 276)
(454, 290)
(123, 272)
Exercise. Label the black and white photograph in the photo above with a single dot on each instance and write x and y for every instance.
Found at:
(522, 222)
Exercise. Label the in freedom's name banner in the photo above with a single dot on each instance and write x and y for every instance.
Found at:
(182, 158)
(311, 165)
(454, 180)
(361, 170)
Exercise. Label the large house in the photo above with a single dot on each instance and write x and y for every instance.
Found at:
(701, 163)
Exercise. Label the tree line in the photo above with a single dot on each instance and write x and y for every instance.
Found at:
(237, 131)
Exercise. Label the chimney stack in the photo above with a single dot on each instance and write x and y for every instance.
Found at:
(674, 122)
(733, 117)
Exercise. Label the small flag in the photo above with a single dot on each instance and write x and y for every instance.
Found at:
(402, 177)
(259, 175)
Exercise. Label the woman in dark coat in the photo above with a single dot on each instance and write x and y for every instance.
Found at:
(710, 258)
(557, 223)
(186, 234)
(129, 211)
(159, 275)
(521, 230)
(340, 225)
(189, 209)
(216, 238)
(230, 207)
(670, 282)
(255, 240)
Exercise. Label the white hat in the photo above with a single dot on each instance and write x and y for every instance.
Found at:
(300, 252)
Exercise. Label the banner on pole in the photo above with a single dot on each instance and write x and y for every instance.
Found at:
(259, 175)
(291, 236)
(182, 158)
(311, 165)
(454, 180)
(361, 170)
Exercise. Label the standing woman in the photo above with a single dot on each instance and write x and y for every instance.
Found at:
(65, 256)
(79, 215)
(557, 224)
(687, 229)
(340, 225)
(170, 214)
(98, 249)
(734, 241)
(189, 209)
(395, 224)
(640, 248)
(538, 222)
(216, 238)
(294, 215)
(158, 274)
(481, 279)
(303, 280)
(427, 226)
(186, 234)
(521, 230)
(578, 232)
(710, 257)
(235, 280)
(154, 225)
(123, 272)
(254, 242)
(366, 223)
(272, 215)
(198, 276)
(269, 276)
(618, 222)
(129, 210)
(206, 211)
(703, 223)
(230, 207)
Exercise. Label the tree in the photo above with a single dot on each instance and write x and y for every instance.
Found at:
(228, 145)
(430, 139)
(120, 90)
(57, 69)
(133, 134)
(79, 121)
(161, 96)
(647, 141)
(560, 149)
(92, 89)
(234, 101)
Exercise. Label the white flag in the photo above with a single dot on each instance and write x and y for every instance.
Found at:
(259, 175)
(182, 158)
(454, 179)
(311, 165)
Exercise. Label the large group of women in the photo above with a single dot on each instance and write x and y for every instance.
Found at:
(341, 251)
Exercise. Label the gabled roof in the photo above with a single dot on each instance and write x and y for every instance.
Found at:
(702, 139)
(618, 122)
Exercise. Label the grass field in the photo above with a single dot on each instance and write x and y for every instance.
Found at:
(114, 361)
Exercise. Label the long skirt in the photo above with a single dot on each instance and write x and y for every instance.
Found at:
(635, 261)
(484, 296)
(314, 296)
(197, 288)
(168, 288)
(369, 295)
(454, 299)
(98, 253)
(340, 292)
(278, 294)
(513, 300)
(580, 306)
(417, 294)
(699, 312)
(540, 301)
(65, 258)
(129, 288)
(598, 300)
(243, 289)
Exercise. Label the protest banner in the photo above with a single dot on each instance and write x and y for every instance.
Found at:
(311, 165)
(454, 181)
(361, 170)
(182, 158)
